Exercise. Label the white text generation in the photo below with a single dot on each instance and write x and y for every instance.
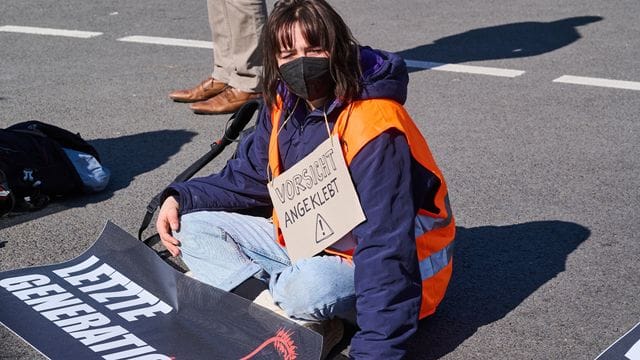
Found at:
(83, 322)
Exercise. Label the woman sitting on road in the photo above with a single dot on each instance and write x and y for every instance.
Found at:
(391, 263)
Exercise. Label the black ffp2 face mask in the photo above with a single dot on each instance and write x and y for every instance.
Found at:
(308, 77)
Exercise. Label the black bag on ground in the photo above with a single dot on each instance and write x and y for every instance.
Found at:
(35, 167)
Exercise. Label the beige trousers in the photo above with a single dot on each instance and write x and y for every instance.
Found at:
(235, 31)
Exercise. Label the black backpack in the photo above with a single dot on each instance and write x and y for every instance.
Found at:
(34, 166)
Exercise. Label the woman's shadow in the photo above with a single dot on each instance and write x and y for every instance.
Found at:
(126, 157)
(495, 269)
(501, 42)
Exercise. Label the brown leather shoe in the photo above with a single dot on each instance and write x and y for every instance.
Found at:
(228, 101)
(203, 91)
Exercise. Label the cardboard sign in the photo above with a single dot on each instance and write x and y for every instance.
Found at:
(119, 300)
(625, 348)
(315, 201)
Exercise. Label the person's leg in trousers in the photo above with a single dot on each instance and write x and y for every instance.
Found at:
(210, 248)
(221, 38)
(235, 29)
(224, 249)
(316, 289)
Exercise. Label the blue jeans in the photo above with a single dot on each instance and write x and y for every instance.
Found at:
(224, 249)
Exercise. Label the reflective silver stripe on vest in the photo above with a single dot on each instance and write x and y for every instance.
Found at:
(436, 262)
(425, 223)
(422, 224)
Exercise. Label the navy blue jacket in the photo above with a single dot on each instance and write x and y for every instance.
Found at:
(387, 278)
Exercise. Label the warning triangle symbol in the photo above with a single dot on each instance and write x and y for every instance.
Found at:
(323, 230)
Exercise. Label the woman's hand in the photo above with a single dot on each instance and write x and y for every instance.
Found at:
(168, 222)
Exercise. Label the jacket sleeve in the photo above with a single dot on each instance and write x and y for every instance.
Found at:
(241, 184)
(387, 277)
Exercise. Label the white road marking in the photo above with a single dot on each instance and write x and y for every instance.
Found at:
(49, 31)
(459, 68)
(167, 41)
(581, 80)
(469, 69)
(416, 64)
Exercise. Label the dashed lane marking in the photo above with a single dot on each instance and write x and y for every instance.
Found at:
(469, 69)
(411, 63)
(459, 68)
(167, 41)
(581, 80)
(49, 31)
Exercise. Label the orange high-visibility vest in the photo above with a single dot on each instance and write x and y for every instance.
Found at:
(358, 124)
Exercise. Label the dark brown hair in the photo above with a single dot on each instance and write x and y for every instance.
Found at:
(321, 26)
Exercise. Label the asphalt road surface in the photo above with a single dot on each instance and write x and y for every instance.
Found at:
(530, 108)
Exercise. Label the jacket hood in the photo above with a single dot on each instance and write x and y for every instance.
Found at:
(384, 75)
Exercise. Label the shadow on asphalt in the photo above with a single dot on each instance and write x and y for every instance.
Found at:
(126, 157)
(501, 42)
(495, 269)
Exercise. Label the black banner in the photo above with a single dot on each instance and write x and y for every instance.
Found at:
(625, 348)
(119, 300)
